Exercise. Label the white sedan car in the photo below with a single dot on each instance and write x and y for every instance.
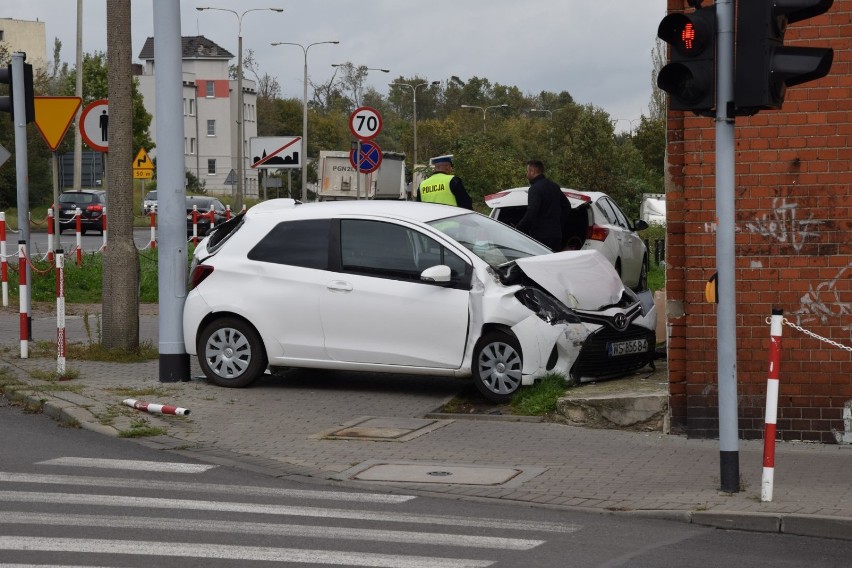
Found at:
(596, 223)
(405, 287)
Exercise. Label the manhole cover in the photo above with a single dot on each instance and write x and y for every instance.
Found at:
(384, 429)
(430, 473)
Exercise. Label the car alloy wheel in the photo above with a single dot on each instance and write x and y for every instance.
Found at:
(497, 366)
(231, 353)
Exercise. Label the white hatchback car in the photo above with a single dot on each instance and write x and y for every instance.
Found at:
(596, 223)
(405, 287)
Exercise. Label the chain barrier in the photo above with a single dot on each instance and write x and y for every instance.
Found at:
(809, 333)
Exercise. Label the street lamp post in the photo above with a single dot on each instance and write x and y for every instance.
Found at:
(414, 97)
(237, 194)
(484, 110)
(304, 159)
(337, 65)
(550, 116)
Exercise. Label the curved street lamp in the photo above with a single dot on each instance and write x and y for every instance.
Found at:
(237, 193)
(304, 150)
(364, 67)
(484, 111)
(414, 96)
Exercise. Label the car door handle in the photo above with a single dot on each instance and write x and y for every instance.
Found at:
(339, 286)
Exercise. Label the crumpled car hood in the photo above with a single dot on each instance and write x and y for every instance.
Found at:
(581, 279)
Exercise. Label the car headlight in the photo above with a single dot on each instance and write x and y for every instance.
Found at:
(545, 306)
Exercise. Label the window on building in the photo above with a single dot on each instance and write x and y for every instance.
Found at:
(211, 167)
(211, 128)
(192, 145)
(210, 89)
(191, 107)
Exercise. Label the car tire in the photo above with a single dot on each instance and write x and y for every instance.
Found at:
(497, 366)
(231, 353)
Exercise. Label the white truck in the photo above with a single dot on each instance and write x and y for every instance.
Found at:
(338, 179)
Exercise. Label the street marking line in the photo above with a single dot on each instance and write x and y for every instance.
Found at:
(182, 486)
(135, 465)
(232, 552)
(272, 529)
(284, 510)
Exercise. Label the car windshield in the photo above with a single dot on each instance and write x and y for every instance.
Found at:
(152, 195)
(490, 240)
(78, 198)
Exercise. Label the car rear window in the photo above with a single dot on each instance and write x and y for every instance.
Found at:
(78, 198)
(295, 243)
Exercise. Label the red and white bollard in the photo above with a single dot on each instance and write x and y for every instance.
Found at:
(4, 266)
(212, 215)
(60, 312)
(78, 226)
(156, 408)
(104, 228)
(227, 212)
(195, 224)
(772, 387)
(50, 234)
(153, 242)
(22, 299)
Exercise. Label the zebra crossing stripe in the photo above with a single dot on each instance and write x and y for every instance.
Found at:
(183, 486)
(232, 552)
(57, 499)
(134, 465)
(271, 529)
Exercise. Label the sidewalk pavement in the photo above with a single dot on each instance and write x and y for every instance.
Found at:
(369, 430)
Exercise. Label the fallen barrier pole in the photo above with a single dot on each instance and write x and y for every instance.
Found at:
(155, 408)
(772, 383)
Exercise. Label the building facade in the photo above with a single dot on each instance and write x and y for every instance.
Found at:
(26, 36)
(793, 232)
(210, 105)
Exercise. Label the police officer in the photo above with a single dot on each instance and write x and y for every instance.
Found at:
(444, 187)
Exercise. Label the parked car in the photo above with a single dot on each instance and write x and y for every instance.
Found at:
(204, 205)
(91, 203)
(149, 204)
(596, 223)
(406, 287)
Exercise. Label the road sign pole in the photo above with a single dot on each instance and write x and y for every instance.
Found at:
(358, 169)
(22, 170)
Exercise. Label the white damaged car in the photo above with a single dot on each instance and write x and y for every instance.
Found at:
(406, 287)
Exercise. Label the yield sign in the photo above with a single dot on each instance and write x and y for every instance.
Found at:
(53, 116)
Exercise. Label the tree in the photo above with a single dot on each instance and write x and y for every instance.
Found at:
(120, 258)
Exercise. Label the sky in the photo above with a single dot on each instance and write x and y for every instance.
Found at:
(597, 50)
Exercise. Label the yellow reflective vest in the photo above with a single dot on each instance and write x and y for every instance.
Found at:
(436, 189)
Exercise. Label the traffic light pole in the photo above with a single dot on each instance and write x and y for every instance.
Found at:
(726, 325)
(19, 102)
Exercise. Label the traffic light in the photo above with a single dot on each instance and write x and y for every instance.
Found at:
(7, 102)
(764, 66)
(690, 76)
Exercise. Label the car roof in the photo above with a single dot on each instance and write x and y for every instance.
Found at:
(517, 196)
(405, 210)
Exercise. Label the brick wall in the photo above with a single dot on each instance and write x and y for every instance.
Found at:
(793, 250)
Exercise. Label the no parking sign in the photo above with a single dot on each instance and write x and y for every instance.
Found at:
(367, 159)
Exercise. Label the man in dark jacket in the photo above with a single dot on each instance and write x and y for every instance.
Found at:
(547, 206)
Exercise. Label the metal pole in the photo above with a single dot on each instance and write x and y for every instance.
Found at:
(238, 201)
(726, 323)
(304, 157)
(414, 92)
(22, 171)
(171, 191)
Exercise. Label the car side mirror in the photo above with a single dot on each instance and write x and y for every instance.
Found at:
(640, 225)
(439, 274)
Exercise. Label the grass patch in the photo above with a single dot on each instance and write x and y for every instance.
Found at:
(95, 352)
(139, 393)
(141, 428)
(539, 399)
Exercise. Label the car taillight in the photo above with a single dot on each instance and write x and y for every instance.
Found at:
(496, 195)
(597, 233)
(199, 273)
(95, 208)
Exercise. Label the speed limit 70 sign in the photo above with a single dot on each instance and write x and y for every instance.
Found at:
(365, 123)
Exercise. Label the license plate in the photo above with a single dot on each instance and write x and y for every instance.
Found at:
(619, 348)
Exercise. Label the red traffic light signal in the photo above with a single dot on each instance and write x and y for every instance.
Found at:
(764, 66)
(690, 76)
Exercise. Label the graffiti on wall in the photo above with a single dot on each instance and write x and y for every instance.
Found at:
(823, 302)
(783, 223)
